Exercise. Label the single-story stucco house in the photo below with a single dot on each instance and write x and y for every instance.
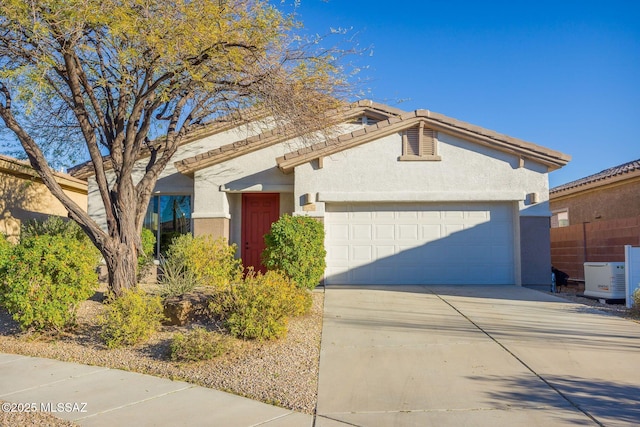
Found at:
(405, 197)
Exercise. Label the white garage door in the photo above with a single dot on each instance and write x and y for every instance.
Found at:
(418, 243)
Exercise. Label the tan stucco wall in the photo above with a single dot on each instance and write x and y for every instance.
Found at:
(216, 227)
(616, 201)
(23, 196)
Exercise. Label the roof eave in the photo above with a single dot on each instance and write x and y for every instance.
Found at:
(24, 170)
(618, 179)
(552, 159)
(85, 170)
(189, 166)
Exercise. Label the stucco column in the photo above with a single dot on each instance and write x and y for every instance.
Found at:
(216, 227)
(211, 214)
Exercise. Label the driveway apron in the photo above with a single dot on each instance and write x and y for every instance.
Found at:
(473, 355)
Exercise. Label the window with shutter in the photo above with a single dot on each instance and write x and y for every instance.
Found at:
(420, 143)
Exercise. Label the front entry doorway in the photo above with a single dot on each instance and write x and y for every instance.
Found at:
(259, 211)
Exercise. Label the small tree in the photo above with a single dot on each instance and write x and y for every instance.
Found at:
(133, 79)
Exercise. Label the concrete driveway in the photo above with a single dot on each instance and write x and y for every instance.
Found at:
(476, 356)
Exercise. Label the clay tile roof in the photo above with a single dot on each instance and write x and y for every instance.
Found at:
(602, 176)
(553, 159)
(221, 124)
(274, 136)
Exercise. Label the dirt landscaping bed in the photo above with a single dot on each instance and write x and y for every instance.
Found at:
(282, 372)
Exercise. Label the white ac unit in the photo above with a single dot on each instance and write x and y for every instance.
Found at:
(604, 280)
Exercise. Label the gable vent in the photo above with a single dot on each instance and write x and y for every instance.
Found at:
(420, 141)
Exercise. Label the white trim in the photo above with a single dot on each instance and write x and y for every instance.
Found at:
(421, 196)
(200, 215)
(252, 188)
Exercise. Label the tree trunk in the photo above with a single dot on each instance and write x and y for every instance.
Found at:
(122, 267)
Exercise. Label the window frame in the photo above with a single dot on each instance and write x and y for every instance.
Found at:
(556, 221)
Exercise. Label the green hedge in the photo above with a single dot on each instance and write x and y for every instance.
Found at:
(295, 245)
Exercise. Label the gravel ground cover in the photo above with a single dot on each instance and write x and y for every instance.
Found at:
(283, 372)
(619, 310)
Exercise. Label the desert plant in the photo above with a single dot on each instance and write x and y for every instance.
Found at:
(212, 260)
(176, 278)
(198, 344)
(131, 318)
(46, 278)
(259, 306)
(295, 245)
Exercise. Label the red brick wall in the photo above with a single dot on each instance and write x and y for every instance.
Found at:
(601, 241)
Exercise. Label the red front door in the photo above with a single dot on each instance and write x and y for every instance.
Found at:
(259, 211)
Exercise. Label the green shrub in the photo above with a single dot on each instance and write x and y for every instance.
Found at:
(259, 307)
(52, 226)
(148, 246)
(176, 278)
(636, 300)
(295, 246)
(131, 318)
(212, 261)
(198, 344)
(46, 278)
(145, 259)
(6, 247)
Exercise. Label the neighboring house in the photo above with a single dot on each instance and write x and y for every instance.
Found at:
(406, 197)
(23, 196)
(594, 217)
(613, 193)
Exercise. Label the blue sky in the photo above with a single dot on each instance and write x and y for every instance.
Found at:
(563, 74)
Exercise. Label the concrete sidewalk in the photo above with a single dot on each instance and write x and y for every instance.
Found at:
(474, 355)
(96, 396)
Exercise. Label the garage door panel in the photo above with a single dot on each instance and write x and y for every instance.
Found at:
(384, 215)
(500, 252)
(419, 243)
(338, 275)
(360, 253)
(338, 231)
(384, 232)
(432, 217)
(383, 252)
(337, 253)
(431, 232)
(407, 232)
(359, 215)
(361, 232)
(451, 229)
(361, 276)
